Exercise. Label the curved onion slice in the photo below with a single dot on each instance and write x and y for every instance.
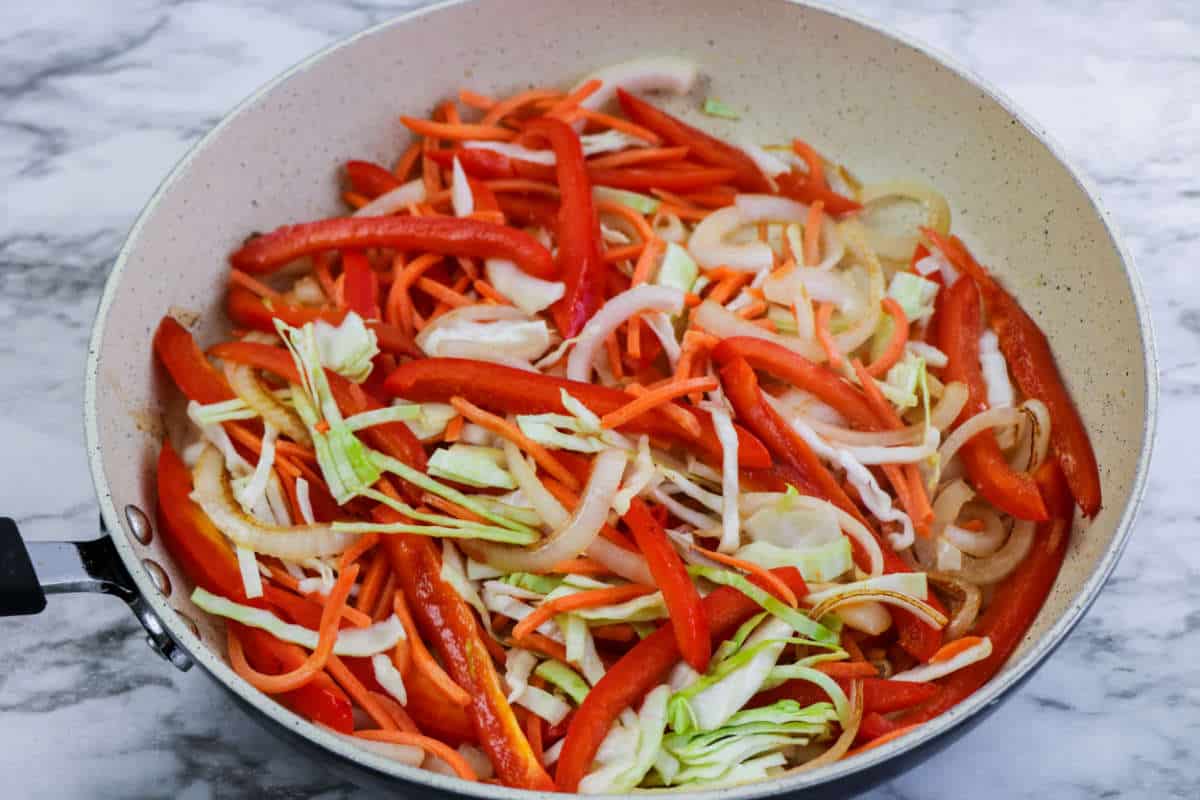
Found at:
(404, 753)
(396, 200)
(906, 436)
(639, 299)
(545, 504)
(924, 673)
(572, 539)
(215, 496)
(949, 502)
(770, 164)
(724, 324)
(626, 563)
(984, 420)
(709, 247)
(951, 404)
(853, 233)
(246, 385)
(971, 600)
(919, 608)
(978, 543)
(653, 74)
(849, 732)
(462, 199)
(669, 227)
(870, 618)
(755, 208)
(1033, 436)
(528, 293)
(900, 247)
(997, 566)
(822, 286)
(486, 332)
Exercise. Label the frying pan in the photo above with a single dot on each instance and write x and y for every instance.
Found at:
(875, 100)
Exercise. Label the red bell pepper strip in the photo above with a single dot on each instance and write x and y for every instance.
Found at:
(645, 666)
(958, 334)
(360, 287)
(522, 209)
(393, 438)
(879, 694)
(800, 188)
(446, 235)
(1017, 599)
(638, 178)
(707, 149)
(875, 725)
(370, 180)
(476, 162)
(1032, 364)
(786, 365)
(580, 259)
(193, 374)
(447, 621)
(809, 475)
(320, 700)
(248, 310)
(671, 576)
(507, 390)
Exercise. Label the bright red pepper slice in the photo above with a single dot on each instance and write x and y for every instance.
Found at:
(247, 310)
(360, 287)
(1017, 599)
(529, 209)
(798, 187)
(809, 475)
(447, 621)
(370, 180)
(959, 329)
(509, 390)
(476, 162)
(393, 438)
(706, 148)
(671, 576)
(580, 260)
(193, 374)
(641, 669)
(1035, 370)
(446, 235)
(879, 694)
(638, 178)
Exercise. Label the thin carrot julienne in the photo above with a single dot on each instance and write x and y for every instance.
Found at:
(453, 430)
(510, 105)
(812, 234)
(359, 693)
(678, 414)
(403, 722)
(824, 337)
(579, 600)
(457, 131)
(572, 100)
(624, 252)
(361, 545)
(475, 100)
(506, 429)
(619, 124)
(642, 155)
(952, 649)
(772, 582)
(239, 278)
(442, 293)
(630, 215)
(895, 347)
(612, 349)
(656, 397)
(848, 669)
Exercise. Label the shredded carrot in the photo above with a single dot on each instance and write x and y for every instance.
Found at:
(430, 745)
(641, 274)
(812, 234)
(522, 185)
(572, 100)
(673, 199)
(684, 212)
(573, 602)
(442, 292)
(824, 337)
(475, 100)
(453, 509)
(976, 525)
(453, 430)
(612, 348)
(773, 583)
(546, 646)
(383, 602)
(322, 426)
(316, 661)
(881, 740)
(243, 436)
(423, 660)
(624, 252)
(372, 584)
(656, 397)
(765, 323)
(727, 286)
(678, 414)
(641, 155)
(816, 168)
(628, 214)
(359, 693)
(850, 645)
(506, 429)
(509, 105)
(406, 162)
(619, 124)
(399, 292)
(580, 566)
(487, 291)
(752, 310)
(361, 545)
(848, 669)
(394, 710)
(895, 347)
(951, 649)
(457, 130)
(321, 268)
(239, 278)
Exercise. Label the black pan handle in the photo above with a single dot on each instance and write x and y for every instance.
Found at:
(31, 570)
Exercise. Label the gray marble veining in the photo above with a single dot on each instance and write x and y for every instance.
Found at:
(98, 100)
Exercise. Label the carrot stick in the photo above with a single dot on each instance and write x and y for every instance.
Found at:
(572, 100)
(774, 584)
(359, 693)
(430, 745)
(656, 397)
(755, 309)
(399, 292)
(848, 669)
(424, 661)
(580, 566)
(679, 415)
(361, 545)
(631, 216)
(442, 292)
(824, 337)
(394, 710)
(641, 155)
(689, 213)
(546, 646)
(572, 602)
(372, 584)
(951, 649)
(624, 252)
(508, 430)
(406, 162)
(475, 100)
(509, 105)
(453, 430)
(619, 124)
(895, 348)
(612, 349)
(812, 234)
(488, 292)
(239, 278)
(457, 131)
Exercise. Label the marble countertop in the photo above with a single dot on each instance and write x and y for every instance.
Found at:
(98, 101)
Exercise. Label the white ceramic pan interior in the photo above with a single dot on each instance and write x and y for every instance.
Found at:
(884, 106)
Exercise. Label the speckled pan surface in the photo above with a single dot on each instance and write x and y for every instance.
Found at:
(882, 106)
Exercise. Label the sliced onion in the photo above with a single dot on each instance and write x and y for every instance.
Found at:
(396, 200)
(755, 208)
(971, 598)
(924, 673)
(849, 732)
(905, 436)
(900, 248)
(951, 404)
(528, 293)
(821, 286)
(770, 164)
(467, 331)
(925, 612)
(246, 385)
(933, 357)
(669, 227)
(870, 618)
(214, 494)
(949, 502)
(978, 543)
(853, 233)
(543, 157)
(1033, 440)
(545, 504)
(651, 74)
(983, 421)
(572, 539)
(626, 563)
(724, 324)
(998, 566)
(462, 200)
(638, 300)
(405, 754)
(709, 247)
(660, 325)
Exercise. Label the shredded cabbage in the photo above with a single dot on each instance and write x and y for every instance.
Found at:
(715, 108)
(625, 771)
(347, 348)
(472, 465)
(563, 677)
(803, 625)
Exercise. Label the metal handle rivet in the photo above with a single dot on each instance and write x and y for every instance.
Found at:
(139, 524)
(158, 576)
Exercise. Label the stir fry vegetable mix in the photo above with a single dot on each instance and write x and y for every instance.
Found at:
(592, 452)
